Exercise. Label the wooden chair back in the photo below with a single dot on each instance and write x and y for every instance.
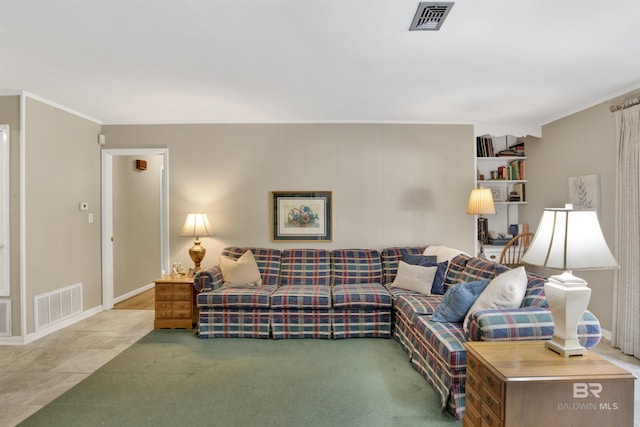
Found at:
(514, 250)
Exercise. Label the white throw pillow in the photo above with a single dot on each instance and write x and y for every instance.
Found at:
(504, 291)
(443, 253)
(415, 277)
(241, 272)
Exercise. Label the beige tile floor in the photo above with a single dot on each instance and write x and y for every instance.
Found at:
(33, 375)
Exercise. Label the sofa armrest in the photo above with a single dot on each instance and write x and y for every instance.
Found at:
(529, 323)
(208, 280)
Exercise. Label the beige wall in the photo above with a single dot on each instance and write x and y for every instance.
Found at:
(10, 114)
(391, 184)
(62, 170)
(580, 144)
(136, 223)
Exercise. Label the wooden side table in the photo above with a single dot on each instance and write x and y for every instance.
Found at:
(521, 383)
(175, 306)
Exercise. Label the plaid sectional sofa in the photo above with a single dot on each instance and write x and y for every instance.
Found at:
(315, 293)
(305, 293)
(436, 349)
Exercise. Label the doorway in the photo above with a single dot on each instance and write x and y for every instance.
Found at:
(112, 161)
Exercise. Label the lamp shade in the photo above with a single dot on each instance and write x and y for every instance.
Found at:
(196, 225)
(481, 202)
(569, 239)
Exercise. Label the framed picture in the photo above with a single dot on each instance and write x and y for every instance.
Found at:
(584, 192)
(301, 215)
(497, 193)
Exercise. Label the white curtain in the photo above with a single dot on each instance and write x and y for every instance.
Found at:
(626, 302)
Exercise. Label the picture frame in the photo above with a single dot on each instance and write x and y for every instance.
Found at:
(301, 216)
(584, 192)
(497, 193)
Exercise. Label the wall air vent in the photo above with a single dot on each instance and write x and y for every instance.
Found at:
(430, 16)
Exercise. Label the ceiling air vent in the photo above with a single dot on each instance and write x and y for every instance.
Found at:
(430, 16)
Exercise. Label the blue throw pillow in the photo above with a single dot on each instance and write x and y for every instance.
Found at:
(437, 288)
(419, 259)
(458, 300)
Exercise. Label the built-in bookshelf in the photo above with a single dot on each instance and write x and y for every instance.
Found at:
(501, 167)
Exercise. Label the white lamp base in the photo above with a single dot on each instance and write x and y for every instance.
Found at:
(568, 298)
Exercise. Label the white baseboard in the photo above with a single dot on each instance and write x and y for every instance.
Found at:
(606, 334)
(49, 330)
(133, 293)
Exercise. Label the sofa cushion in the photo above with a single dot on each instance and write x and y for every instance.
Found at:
(412, 305)
(268, 261)
(235, 297)
(415, 278)
(430, 261)
(503, 291)
(391, 257)
(423, 260)
(457, 301)
(240, 272)
(305, 267)
(356, 266)
(302, 296)
(360, 295)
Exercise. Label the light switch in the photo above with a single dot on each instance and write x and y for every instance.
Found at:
(90, 218)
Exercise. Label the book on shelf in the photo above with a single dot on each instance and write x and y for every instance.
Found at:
(520, 189)
(517, 170)
(515, 229)
(484, 146)
(518, 148)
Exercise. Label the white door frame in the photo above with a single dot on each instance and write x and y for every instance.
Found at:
(107, 214)
(5, 264)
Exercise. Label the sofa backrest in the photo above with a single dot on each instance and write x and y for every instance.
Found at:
(268, 261)
(305, 267)
(455, 270)
(353, 266)
(467, 269)
(478, 269)
(392, 256)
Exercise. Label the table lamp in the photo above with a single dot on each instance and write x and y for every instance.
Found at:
(481, 203)
(568, 239)
(196, 225)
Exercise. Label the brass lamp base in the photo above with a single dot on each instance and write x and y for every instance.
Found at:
(197, 253)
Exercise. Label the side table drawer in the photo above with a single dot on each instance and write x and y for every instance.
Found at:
(182, 314)
(489, 419)
(492, 408)
(164, 305)
(491, 382)
(473, 379)
(473, 408)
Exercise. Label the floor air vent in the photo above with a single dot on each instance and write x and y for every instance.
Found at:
(430, 16)
(58, 305)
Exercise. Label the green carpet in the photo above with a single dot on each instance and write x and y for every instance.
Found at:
(172, 378)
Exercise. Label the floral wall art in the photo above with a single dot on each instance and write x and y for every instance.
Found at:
(300, 215)
(584, 192)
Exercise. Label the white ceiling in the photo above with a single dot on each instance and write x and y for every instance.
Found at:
(167, 61)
